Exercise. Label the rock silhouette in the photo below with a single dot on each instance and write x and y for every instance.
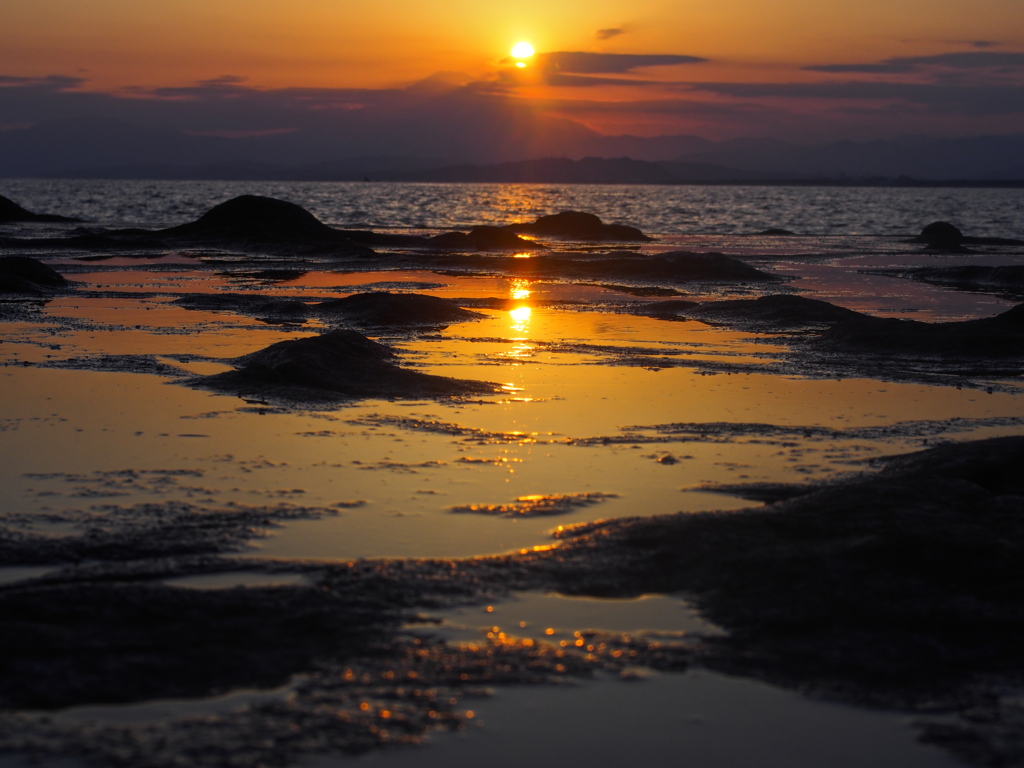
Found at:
(338, 364)
(20, 274)
(575, 225)
(394, 309)
(11, 212)
(943, 236)
(482, 239)
(783, 312)
(1007, 279)
(1001, 336)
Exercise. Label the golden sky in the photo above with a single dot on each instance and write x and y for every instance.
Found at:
(801, 69)
(385, 43)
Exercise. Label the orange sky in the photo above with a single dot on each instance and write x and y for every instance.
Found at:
(853, 69)
(377, 43)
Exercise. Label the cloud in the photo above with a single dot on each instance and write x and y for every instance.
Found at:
(973, 100)
(961, 60)
(49, 83)
(585, 63)
(608, 34)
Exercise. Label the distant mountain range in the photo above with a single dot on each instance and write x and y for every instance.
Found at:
(103, 148)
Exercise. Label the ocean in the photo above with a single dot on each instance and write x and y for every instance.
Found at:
(702, 210)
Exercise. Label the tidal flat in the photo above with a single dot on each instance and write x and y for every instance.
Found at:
(288, 494)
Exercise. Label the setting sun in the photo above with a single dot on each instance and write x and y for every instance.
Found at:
(522, 50)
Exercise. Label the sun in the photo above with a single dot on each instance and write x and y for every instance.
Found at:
(522, 50)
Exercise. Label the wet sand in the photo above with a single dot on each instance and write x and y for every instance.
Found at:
(188, 512)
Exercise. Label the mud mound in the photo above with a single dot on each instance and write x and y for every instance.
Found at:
(11, 212)
(394, 309)
(1001, 336)
(20, 274)
(338, 364)
(782, 313)
(575, 225)
(263, 307)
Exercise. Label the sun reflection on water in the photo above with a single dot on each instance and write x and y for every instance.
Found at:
(519, 291)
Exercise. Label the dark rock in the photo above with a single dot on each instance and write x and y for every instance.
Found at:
(395, 309)
(1001, 336)
(1007, 279)
(252, 221)
(943, 236)
(483, 239)
(254, 216)
(782, 313)
(103, 643)
(575, 225)
(677, 267)
(11, 212)
(911, 579)
(776, 231)
(940, 234)
(338, 364)
(20, 274)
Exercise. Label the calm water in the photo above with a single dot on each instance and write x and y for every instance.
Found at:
(656, 209)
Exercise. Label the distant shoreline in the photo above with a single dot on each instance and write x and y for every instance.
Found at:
(412, 179)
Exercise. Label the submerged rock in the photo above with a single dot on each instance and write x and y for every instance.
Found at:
(11, 212)
(575, 225)
(334, 365)
(20, 274)
(395, 309)
(776, 232)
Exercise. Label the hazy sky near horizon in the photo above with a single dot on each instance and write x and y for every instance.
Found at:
(800, 68)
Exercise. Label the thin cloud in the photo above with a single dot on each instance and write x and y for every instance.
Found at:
(49, 83)
(960, 60)
(586, 63)
(968, 100)
(608, 34)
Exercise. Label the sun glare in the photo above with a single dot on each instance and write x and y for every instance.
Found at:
(522, 50)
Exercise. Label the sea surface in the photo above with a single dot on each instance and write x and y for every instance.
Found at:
(715, 210)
